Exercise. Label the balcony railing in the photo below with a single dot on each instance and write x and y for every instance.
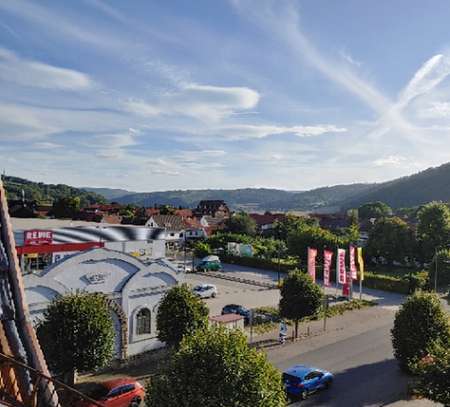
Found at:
(43, 390)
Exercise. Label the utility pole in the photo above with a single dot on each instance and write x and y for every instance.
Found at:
(435, 269)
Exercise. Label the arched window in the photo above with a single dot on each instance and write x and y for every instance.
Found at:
(143, 322)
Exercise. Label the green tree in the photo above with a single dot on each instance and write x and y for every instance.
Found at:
(305, 236)
(77, 333)
(442, 258)
(202, 249)
(433, 229)
(433, 372)
(180, 312)
(66, 207)
(300, 297)
(392, 239)
(241, 223)
(418, 323)
(374, 210)
(215, 367)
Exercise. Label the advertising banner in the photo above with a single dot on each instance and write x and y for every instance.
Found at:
(327, 258)
(360, 263)
(312, 254)
(341, 274)
(353, 271)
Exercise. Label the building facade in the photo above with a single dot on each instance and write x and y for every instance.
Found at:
(134, 290)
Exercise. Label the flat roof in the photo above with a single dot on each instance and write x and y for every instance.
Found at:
(37, 223)
(223, 319)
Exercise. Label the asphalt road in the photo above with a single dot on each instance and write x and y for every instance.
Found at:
(366, 373)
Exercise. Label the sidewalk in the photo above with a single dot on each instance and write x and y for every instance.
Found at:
(346, 325)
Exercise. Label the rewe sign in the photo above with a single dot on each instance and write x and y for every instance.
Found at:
(37, 237)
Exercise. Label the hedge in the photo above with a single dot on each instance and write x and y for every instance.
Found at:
(383, 282)
(257, 263)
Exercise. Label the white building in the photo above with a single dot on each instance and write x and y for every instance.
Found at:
(134, 290)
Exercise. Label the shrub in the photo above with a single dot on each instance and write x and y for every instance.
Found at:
(180, 312)
(215, 367)
(418, 323)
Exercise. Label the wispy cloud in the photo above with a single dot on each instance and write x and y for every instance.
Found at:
(203, 102)
(253, 131)
(390, 160)
(37, 74)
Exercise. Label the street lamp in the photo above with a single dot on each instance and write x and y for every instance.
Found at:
(436, 264)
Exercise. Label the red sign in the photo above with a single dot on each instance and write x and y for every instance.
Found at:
(340, 267)
(346, 290)
(327, 256)
(312, 253)
(353, 272)
(37, 237)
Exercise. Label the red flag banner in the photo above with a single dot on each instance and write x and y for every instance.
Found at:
(340, 267)
(353, 271)
(327, 257)
(312, 254)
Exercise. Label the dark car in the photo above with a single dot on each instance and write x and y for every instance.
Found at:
(301, 380)
(237, 309)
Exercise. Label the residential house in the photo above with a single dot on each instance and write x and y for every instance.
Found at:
(265, 222)
(214, 208)
(212, 224)
(173, 226)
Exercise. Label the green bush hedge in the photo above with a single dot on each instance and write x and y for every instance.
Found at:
(257, 263)
(403, 285)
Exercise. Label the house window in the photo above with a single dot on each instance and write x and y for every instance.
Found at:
(143, 322)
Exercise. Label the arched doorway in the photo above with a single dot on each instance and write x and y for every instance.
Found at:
(120, 322)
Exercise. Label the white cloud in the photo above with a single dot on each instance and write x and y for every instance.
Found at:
(284, 22)
(347, 57)
(203, 102)
(436, 110)
(45, 145)
(249, 131)
(389, 160)
(36, 74)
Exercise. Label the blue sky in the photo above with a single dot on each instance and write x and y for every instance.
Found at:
(157, 95)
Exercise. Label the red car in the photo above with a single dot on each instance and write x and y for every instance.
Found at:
(122, 392)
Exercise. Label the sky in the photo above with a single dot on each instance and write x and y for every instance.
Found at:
(160, 95)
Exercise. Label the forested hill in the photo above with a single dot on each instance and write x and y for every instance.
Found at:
(38, 191)
(252, 199)
(432, 184)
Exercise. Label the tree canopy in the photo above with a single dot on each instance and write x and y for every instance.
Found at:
(374, 210)
(77, 333)
(433, 229)
(418, 323)
(392, 239)
(433, 373)
(241, 223)
(300, 297)
(180, 312)
(215, 367)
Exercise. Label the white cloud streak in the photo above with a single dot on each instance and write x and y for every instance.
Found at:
(36, 74)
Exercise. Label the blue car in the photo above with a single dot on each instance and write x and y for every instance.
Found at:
(301, 380)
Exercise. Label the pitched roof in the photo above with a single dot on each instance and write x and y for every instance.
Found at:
(267, 218)
(184, 213)
(171, 222)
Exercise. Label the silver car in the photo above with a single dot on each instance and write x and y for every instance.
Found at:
(205, 290)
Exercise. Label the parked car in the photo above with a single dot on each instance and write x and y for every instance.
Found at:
(210, 263)
(301, 380)
(205, 290)
(237, 309)
(122, 392)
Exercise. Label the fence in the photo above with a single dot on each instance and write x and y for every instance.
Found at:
(43, 390)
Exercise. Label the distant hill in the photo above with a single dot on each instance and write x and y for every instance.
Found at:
(432, 184)
(109, 193)
(38, 191)
(252, 199)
